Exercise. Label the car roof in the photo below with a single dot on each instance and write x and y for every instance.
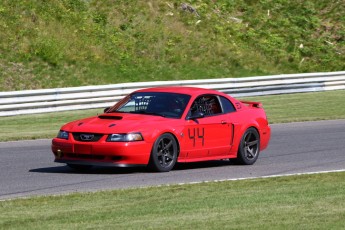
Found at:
(181, 89)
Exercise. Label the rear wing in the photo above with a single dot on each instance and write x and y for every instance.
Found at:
(252, 104)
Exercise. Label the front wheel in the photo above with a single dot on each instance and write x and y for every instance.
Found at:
(248, 151)
(164, 153)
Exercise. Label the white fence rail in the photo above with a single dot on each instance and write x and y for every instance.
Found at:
(87, 97)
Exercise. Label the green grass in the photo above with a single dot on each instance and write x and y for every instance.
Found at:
(279, 109)
(36, 126)
(61, 43)
(304, 106)
(295, 202)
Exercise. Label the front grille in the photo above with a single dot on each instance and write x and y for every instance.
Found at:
(87, 137)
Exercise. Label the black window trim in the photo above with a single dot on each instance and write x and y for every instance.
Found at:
(222, 106)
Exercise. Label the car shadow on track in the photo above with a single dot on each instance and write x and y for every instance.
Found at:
(64, 169)
(203, 164)
(94, 170)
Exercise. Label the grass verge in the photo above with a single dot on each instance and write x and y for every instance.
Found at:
(294, 202)
(303, 106)
(53, 44)
(279, 108)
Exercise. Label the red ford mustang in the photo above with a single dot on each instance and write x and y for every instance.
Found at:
(158, 127)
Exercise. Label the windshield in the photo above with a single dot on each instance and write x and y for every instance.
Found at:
(170, 105)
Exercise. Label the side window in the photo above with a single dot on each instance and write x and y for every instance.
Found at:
(207, 104)
(228, 107)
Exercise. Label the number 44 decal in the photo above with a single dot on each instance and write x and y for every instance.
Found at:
(196, 133)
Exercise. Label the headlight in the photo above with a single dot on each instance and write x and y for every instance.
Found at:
(62, 135)
(125, 137)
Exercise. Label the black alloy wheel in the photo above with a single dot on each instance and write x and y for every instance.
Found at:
(249, 148)
(164, 153)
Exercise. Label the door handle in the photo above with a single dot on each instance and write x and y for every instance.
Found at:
(223, 122)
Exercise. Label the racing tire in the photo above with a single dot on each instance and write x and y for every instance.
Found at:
(164, 153)
(79, 167)
(249, 148)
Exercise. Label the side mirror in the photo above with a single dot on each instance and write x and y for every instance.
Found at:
(106, 109)
(196, 115)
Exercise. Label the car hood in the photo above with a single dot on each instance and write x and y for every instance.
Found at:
(115, 122)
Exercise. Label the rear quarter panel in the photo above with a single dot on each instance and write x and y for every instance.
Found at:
(246, 117)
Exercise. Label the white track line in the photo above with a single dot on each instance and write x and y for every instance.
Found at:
(188, 183)
(261, 177)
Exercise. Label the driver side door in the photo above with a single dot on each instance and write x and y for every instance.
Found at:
(209, 135)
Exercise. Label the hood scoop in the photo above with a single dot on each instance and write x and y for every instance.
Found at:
(109, 117)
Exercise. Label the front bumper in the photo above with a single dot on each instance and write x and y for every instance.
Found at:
(101, 153)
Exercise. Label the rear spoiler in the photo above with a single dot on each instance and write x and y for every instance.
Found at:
(252, 104)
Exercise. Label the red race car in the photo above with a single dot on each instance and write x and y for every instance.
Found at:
(158, 127)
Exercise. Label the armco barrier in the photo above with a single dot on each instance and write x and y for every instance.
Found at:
(87, 97)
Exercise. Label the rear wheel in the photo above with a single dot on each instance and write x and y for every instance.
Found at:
(248, 151)
(164, 153)
(79, 167)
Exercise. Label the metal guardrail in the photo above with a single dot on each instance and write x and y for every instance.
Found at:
(88, 97)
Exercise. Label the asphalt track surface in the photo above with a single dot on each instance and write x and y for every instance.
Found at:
(27, 167)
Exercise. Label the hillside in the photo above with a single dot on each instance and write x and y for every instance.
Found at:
(61, 43)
